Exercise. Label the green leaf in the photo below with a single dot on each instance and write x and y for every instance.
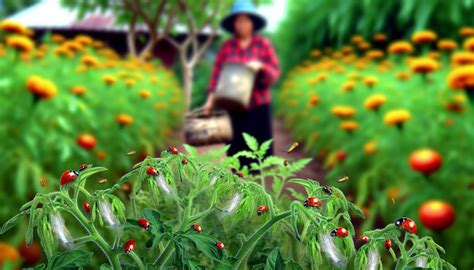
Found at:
(38, 267)
(264, 147)
(356, 210)
(275, 261)
(192, 151)
(250, 141)
(75, 258)
(105, 267)
(292, 265)
(206, 244)
(90, 171)
(12, 222)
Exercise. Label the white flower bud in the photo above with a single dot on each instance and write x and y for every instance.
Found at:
(161, 182)
(373, 261)
(107, 214)
(60, 231)
(330, 250)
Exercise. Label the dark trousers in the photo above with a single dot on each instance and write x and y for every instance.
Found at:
(256, 122)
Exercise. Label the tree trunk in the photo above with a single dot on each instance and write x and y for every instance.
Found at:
(188, 72)
(132, 50)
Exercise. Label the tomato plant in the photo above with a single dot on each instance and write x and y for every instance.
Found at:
(202, 215)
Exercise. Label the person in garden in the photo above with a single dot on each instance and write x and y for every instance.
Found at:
(248, 48)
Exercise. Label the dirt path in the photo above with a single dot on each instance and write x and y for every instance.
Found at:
(281, 139)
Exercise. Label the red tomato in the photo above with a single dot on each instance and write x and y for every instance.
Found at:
(425, 161)
(31, 255)
(86, 141)
(436, 215)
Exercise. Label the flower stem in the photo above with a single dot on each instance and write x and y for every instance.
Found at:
(248, 246)
(137, 260)
(160, 261)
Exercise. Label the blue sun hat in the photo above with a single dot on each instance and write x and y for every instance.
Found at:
(246, 7)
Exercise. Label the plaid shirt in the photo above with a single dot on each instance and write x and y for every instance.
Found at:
(259, 49)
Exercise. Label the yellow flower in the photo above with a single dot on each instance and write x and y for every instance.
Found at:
(145, 94)
(21, 43)
(346, 50)
(73, 46)
(315, 53)
(343, 111)
(40, 87)
(56, 38)
(447, 45)
(462, 78)
(466, 31)
(380, 37)
(314, 100)
(348, 86)
(370, 147)
(356, 39)
(403, 76)
(462, 58)
(400, 47)
(469, 44)
(89, 61)
(322, 76)
(424, 37)
(124, 119)
(397, 117)
(364, 46)
(423, 65)
(63, 51)
(370, 81)
(374, 54)
(83, 40)
(109, 79)
(349, 125)
(374, 102)
(130, 82)
(13, 27)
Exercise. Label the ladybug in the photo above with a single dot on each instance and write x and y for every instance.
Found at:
(340, 232)
(184, 161)
(151, 171)
(172, 150)
(130, 246)
(196, 227)
(364, 239)
(220, 245)
(312, 202)
(240, 174)
(87, 207)
(83, 167)
(406, 223)
(327, 190)
(388, 244)
(68, 176)
(143, 222)
(262, 209)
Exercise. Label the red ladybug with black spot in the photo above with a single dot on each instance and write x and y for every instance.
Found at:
(144, 223)
(388, 244)
(407, 224)
(312, 202)
(130, 246)
(262, 209)
(172, 150)
(83, 167)
(220, 245)
(340, 232)
(364, 239)
(68, 176)
(196, 227)
(151, 171)
(87, 207)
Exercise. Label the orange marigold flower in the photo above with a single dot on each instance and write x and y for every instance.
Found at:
(396, 117)
(375, 54)
(89, 61)
(447, 45)
(380, 37)
(364, 46)
(109, 79)
(21, 43)
(343, 111)
(97, 44)
(424, 65)
(346, 50)
(40, 87)
(469, 44)
(124, 119)
(403, 76)
(462, 58)
(13, 27)
(400, 47)
(370, 81)
(462, 78)
(130, 82)
(466, 31)
(83, 40)
(374, 102)
(356, 39)
(315, 53)
(56, 38)
(73, 46)
(348, 86)
(370, 147)
(349, 125)
(78, 90)
(424, 37)
(314, 100)
(322, 76)
(145, 94)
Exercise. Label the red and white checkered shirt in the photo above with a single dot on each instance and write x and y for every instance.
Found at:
(259, 49)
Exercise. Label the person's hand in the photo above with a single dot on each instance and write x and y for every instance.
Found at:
(209, 105)
(255, 66)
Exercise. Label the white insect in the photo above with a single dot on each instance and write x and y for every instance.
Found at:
(107, 214)
(234, 202)
(161, 182)
(331, 251)
(374, 257)
(421, 262)
(60, 231)
(212, 180)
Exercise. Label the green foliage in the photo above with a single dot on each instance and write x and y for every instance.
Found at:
(11, 7)
(318, 24)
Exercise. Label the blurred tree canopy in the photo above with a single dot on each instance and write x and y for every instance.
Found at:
(320, 23)
(9, 7)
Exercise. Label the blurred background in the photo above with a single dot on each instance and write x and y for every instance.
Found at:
(381, 91)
